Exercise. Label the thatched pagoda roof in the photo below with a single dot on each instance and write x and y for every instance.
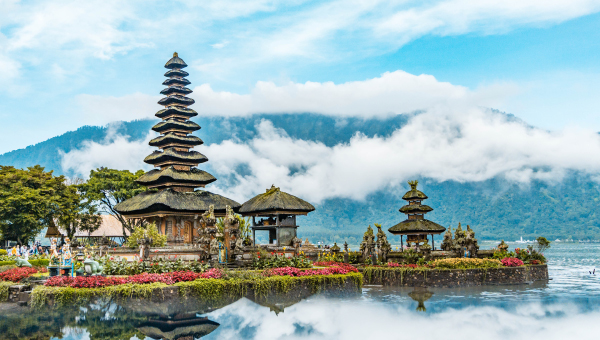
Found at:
(169, 200)
(176, 99)
(176, 89)
(416, 227)
(175, 62)
(413, 193)
(176, 73)
(176, 329)
(170, 175)
(172, 123)
(52, 231)
(176, 110)
(415, 208)
(176, 81)
(172, 138)
(274, 200)
(172, 155)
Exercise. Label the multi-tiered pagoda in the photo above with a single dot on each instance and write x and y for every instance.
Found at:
(416, 227)
(173, 202)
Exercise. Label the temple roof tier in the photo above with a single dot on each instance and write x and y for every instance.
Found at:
(415, 208)
(172, 138)
(423, 226)
(176, 111)
(176, 81)
(173, 124)
(413, 193)
(158, 177)
(175, 157)
(176, 73)
(176, 99)
(169, 200)
(274, 200)
(175, 62)
(176, 89)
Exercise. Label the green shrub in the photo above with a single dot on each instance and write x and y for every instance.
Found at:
(465, 263)
(151, 231)
(7, 267)
(3, 252)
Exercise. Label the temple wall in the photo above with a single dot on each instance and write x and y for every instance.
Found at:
(458, 277)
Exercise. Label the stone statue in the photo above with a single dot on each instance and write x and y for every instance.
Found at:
(471, 242)
(503, 247)
(66, 252)
(335, 249)
(296, 243)
(448, 243)
(239, 246)
(92, 267)
(367, 246)
(382, 243)
(208, 218)
(145, 244)
(54, 257)
(22, 263)
(214, 247)
(460, 238)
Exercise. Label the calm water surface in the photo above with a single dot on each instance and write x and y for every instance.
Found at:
(567, 307)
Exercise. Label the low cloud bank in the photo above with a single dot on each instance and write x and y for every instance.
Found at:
(466, 146)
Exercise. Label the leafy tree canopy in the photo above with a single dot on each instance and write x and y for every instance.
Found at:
(78, 213)
(109, 187)
(29, 199)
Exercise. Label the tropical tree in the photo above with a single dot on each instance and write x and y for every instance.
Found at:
(78, 213)
(29, 199)
(109, 187)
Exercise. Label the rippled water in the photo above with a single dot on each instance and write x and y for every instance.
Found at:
(567, 307)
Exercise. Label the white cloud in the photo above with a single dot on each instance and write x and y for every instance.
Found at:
(346, 319)
(472, 145)
(116, 151)
(393, 93)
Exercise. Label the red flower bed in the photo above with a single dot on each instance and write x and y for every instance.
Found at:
(535, 262)
(511, 262)
(339, 268)
(326, 263)
(17, 274)
(144, 278)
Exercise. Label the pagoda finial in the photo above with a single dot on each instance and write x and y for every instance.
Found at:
(413, 184)
(175, 55)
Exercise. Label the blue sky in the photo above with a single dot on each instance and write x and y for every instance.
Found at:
(66, 64)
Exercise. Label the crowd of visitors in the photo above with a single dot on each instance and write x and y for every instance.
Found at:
(27, 250)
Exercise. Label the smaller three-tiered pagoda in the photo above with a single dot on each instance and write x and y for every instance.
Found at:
(416, 227)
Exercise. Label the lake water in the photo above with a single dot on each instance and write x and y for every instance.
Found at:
(567, 307)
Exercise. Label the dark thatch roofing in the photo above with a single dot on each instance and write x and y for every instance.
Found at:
(170, 200)
(413, 193)
(170, 174)
(415, 208)
(174, 138)
(173, 123)
(171, 155)
(175, 62)
(178, 328)
(275, 200)
(52, 231)
(176, 99)
(416, 227)
(176, 89)
(176, 73)
(176, 81)
(178, 110)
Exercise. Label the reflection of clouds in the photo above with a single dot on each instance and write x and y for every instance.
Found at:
(360, 319)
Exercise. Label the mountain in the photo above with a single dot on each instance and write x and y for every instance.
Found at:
(495, 208)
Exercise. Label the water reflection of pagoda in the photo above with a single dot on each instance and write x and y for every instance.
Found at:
(416, 227)
(173, 203)
(187, 326)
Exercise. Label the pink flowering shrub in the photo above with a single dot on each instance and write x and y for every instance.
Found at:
(339, 268)
(511, 262)
(144, 278)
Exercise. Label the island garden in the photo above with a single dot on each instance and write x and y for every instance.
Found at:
(184, 242)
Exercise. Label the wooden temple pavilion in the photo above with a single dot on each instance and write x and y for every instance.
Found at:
(416, 227)
(278, 211)
(173, 201)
